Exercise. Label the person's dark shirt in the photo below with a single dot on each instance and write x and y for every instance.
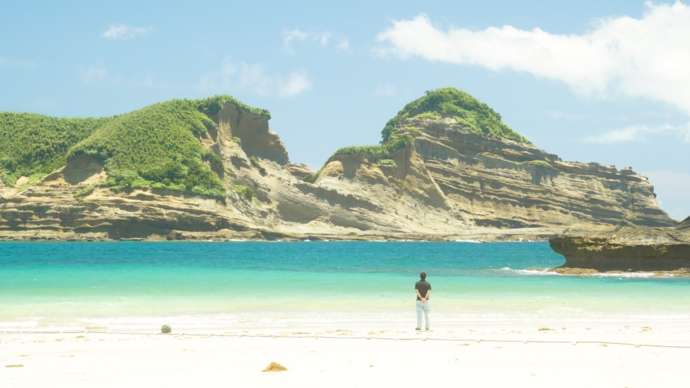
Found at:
(423, 287)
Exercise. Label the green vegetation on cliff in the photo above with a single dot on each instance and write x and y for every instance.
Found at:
(453, 103)
(154, 147)
(33, 145)
(213, 105)
(377, 152)
(435, 105)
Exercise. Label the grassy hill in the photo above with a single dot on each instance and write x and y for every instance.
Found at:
(436, 104)
(156, 147)
(33, 145)
(456, 104)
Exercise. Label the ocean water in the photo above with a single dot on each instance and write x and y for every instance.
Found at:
(46, 280)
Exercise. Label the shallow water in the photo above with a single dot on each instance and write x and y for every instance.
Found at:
(102, 279)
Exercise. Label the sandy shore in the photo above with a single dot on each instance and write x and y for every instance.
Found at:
(339, 351)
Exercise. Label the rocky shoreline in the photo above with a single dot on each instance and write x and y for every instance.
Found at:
(498, 235)
(626, 249)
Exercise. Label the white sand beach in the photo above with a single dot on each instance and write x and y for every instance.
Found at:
(350, 351)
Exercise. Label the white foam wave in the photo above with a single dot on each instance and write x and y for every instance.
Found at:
(622, 275)
(631, 275)
(532, 272)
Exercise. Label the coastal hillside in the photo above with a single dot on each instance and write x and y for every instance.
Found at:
(447, 167)
(478, 169)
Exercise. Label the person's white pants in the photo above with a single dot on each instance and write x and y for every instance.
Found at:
(423, 311)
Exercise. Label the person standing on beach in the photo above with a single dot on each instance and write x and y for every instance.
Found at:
(423, 290)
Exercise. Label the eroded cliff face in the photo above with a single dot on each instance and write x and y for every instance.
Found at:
(252, 131)
(482, 181)
(446, 183)
(266, 198)
(503, 183)
(626, 249)
(73, 203)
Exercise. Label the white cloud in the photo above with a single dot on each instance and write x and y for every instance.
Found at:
(94, 74)
(343, 44)
(386, 90)
(294, 84)
(636, 133)
(323, 39)
(295, 35)
(100, 75)
(125, 32)
(646, 57)
(254, 78)
(624, 135)
(673, 188)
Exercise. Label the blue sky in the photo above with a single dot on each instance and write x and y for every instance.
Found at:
(588, 80)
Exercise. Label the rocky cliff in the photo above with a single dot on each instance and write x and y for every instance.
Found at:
(447, 168)
(444, 159)
(626, 249)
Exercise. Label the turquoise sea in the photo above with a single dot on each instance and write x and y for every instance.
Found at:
(103, 279)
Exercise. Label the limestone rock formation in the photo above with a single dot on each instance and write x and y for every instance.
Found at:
(626, 249)
(252, 131)
(490, 177)
(447, 168)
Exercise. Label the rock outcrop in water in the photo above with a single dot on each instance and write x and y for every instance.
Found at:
(627, 249)
(447, 168)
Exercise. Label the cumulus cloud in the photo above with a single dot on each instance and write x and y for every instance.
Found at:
(254, 78)
(646, 57)
(343, 44)
(295, 35)
(324, 39)
(125, 32)
(637, 133)
(93, 74)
